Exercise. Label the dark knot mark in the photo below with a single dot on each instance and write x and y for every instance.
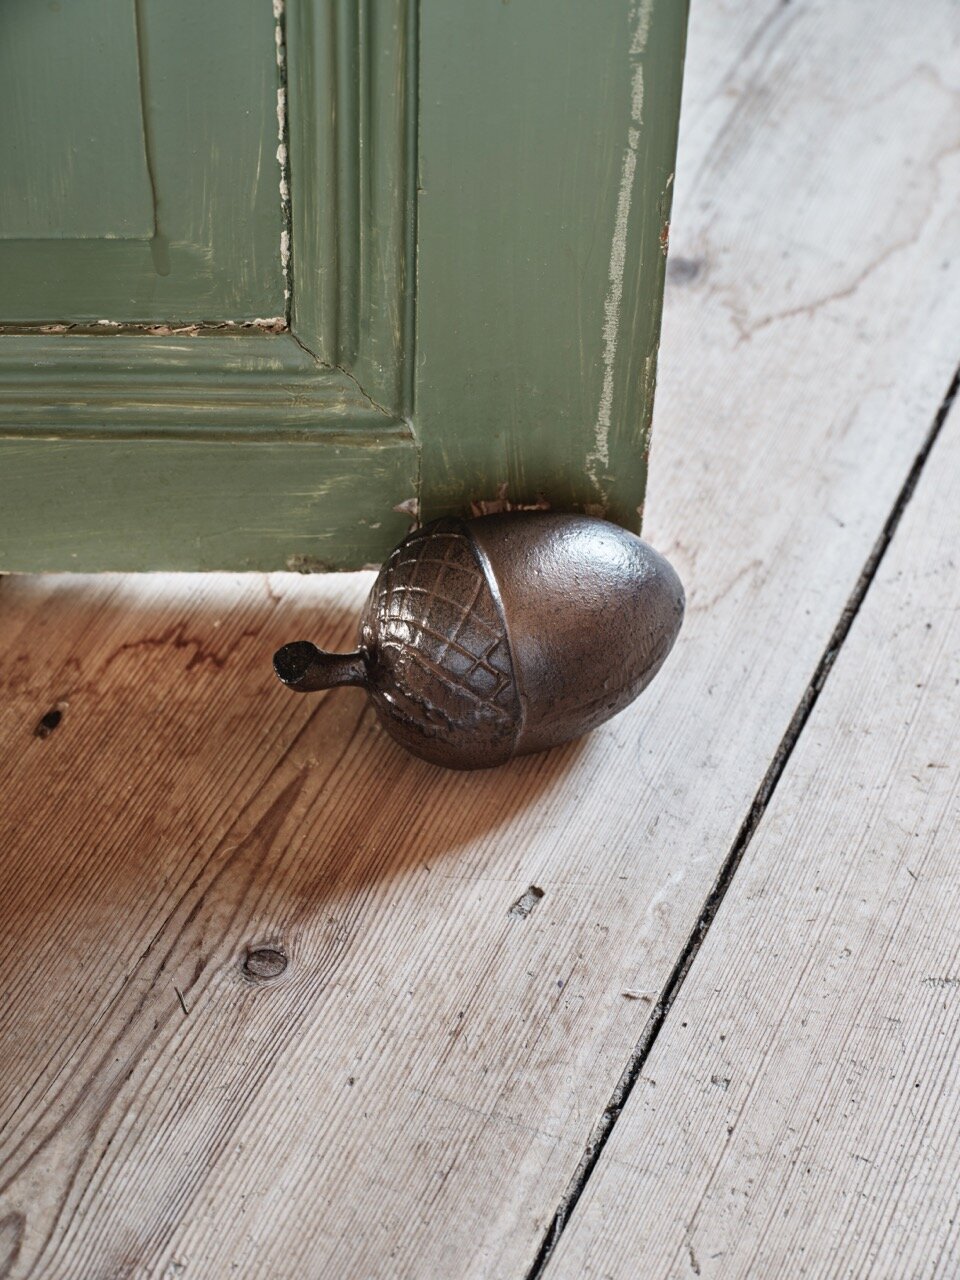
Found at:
(683, 270)
(48, 722)
(263, 963)
(526, 902)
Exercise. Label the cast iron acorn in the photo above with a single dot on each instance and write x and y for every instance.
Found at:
(488, 638)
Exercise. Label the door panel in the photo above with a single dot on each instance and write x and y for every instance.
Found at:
(140, 179)
(73, 165)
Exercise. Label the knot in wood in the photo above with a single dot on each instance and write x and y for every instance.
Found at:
(264, 963)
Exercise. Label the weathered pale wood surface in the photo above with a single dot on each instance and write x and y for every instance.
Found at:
(799, 1113)
(412, 1095)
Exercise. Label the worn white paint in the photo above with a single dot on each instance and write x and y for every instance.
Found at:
(282, 155)
(599, 457)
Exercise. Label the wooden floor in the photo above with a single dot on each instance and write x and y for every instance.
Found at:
(269, 1007)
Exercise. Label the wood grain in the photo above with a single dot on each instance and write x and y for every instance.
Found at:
(413, 1092)
(798, 1114)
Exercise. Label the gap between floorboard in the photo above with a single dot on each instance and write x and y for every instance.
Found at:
(768, 785)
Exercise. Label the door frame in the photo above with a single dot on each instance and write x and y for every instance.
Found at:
(312, 443)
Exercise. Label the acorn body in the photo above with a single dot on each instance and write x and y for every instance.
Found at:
(488, 638)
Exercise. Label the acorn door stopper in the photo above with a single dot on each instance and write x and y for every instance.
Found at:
(489, 638)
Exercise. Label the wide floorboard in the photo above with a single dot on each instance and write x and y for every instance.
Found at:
(266, 1009)
(799, 1114)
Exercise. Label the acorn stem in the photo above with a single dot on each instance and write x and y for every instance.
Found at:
(305, 668)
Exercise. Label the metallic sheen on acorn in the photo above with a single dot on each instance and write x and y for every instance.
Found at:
(489, 638)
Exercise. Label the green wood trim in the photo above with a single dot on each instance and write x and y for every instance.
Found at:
(352, 104)
(133, 504)
(245, 383)
(219, 451)
(116, 280)
(547, 142)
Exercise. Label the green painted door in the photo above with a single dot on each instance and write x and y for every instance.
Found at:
(275, 274)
